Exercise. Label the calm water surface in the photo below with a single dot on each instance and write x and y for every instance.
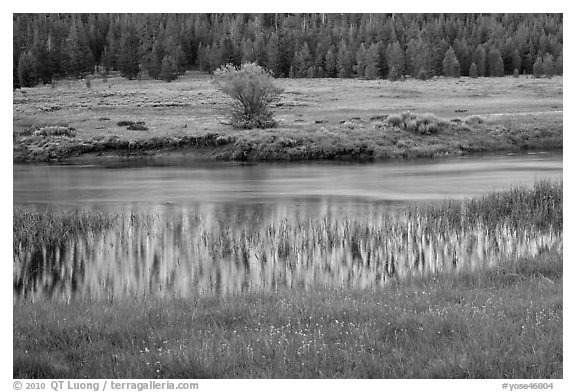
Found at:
(168, 184)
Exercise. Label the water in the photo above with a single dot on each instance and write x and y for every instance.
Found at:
(223, 229)
(129, 186)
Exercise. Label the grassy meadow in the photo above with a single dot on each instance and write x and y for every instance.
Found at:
(318, 119)
(468, 289)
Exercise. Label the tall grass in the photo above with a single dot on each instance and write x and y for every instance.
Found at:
(503, 322)
(229, 251)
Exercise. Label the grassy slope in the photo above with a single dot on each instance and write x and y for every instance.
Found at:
(501, 323)
(312, 116)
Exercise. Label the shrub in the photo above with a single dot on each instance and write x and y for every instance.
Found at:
(88, 83)
(411, 125)
(425, 124)
(430, 128)
(252, 91)
(124, 123)
(394, 119)
(137, 127)
(516, 74)
(473, 120)
(407, 115)
(56, 130)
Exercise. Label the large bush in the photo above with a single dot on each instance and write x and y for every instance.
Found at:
(252, 91)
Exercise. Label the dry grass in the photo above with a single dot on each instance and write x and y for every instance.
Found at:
(317, 119)
(193, 105)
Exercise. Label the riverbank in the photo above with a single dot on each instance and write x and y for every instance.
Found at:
(440, 290)
(319, 119)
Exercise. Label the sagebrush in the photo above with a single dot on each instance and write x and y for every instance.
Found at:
(252, 91)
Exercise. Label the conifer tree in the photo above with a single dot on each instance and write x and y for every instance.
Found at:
(169, 70)
(202, 60)
(559, 64)
(423, 74)
(344, 62)
(272, 55)
(548, 65)
(360, 66)
(396, 59)
(214, 55)
(516, 60)
(74, 44)
(499, 67)
(153, 61)
(260, 49)
(473, 73)
(302, 61)
(393, 75)
(417, 57)
(247, 52)
(528, 62)
(383, 62)
(27, 70)
(373, 62)
(463, 54)
(106, 60)
(180, 58)
(479, 59)
(495, 63)
(228, 52)
(538, 68)
(450, 64)
(129, 58)
(42, 59)
(331, 63)
(110, 55)
(79, 59)
(95, 37)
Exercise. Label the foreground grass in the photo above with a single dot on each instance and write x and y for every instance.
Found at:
(318, 119)
(504, 322)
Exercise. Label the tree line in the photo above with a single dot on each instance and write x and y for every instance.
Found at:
(371, 46)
